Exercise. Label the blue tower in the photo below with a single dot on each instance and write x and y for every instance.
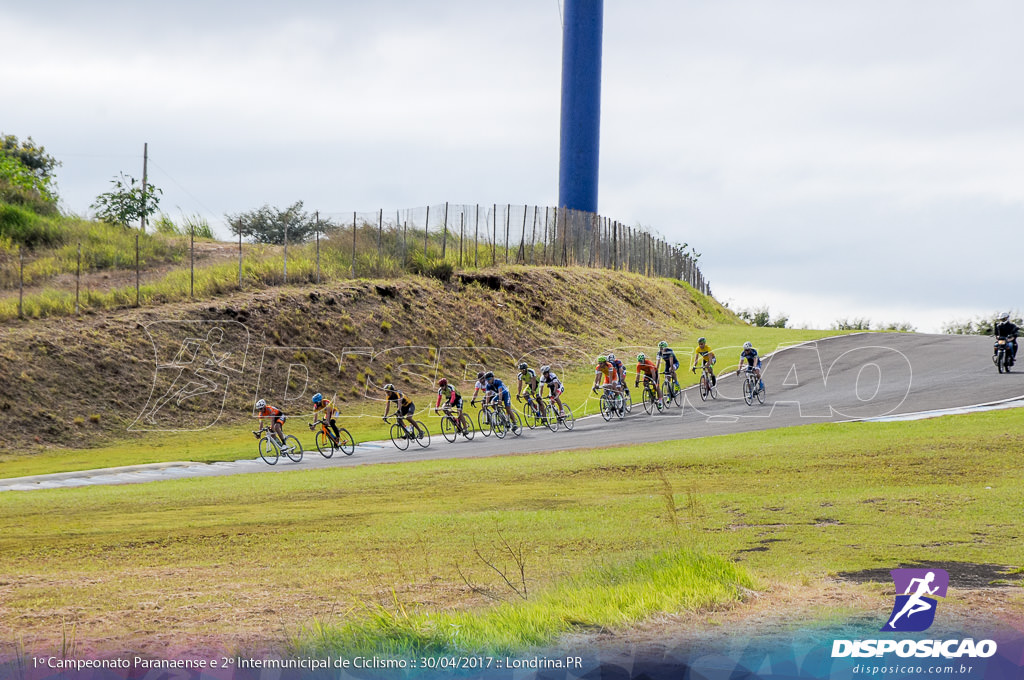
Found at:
(581, 104)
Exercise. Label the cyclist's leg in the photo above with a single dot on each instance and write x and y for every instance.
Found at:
(337, 432)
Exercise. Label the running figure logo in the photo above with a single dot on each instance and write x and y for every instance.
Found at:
(914, 610)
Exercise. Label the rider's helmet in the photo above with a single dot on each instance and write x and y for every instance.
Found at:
(1005, 316)
(523, 366)
(611, 357)
(602, 359)
(545, 369)
(640, 358)
(702, 341)
(480, 375)
(261, 403)
(443, 382)
(389, 388)
(662, 345)
(489, 375)
(747, 345)
(317, 398)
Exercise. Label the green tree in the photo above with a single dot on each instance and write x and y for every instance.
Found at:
(761, 317)
(127, 202)
(268, 224)
(26, 174)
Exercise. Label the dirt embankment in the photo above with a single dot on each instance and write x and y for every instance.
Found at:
(79, 381)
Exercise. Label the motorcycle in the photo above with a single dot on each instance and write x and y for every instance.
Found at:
(1002, 354)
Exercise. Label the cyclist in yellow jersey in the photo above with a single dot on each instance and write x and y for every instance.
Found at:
(325, 405)
(704, 351)
(404, 408)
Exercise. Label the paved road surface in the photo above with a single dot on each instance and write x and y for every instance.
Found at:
(854, 377)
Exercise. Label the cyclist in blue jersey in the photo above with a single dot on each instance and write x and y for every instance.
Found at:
(666, 354)
(500, 394)
(749, 354)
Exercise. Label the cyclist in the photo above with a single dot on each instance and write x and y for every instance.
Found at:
(669, 357)
(649, 370)
(404, 408)
(453, 400)
(481, 386)
(749, 354)
(277, 418)
(329, 411)
(499, 393)
(1005, 328)
(620, 372)
(527, 379)
(547, 377)
(703, 351)
(605, 369)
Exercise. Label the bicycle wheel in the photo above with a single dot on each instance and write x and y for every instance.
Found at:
(516, 425)
(648, 399)
(704, 388)
(422, 433)
(292, 448)
(398, 437)
(627, 402)
(607, 407)
(499, 423)
(324, 444)
(550, 417)
(529, 416)
(713, 390)
(448, 429)
(760, 394)
(268, 452)
(620, 406)
(677, 393)
(468, 432)
(345, 442)
(568, 420)
(748, 392)
(484, 422)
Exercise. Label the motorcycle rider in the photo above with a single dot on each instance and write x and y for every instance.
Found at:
(1005, 328)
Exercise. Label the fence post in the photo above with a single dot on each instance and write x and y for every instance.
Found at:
(380, 234)
(426, 230)
(317, 247)
(494, 235)
(508, 215)
(476, 238)
(521, 255)
(78, 276)
(444, 239)
(286, 252)
(137, 292)
(462, 231)
(405, 241)
(353, 244)
(192, 261)
(239, 254)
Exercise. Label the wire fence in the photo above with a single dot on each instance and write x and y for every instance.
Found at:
(433, 240)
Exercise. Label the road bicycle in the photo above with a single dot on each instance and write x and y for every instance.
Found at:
(566, 419)
(499, 422)
(271, 449)
(707, 386)
(537, 413)
(327, 443)
(413, 430)
(612, 403)
(451, 428)
(752, 387)
(650, 398)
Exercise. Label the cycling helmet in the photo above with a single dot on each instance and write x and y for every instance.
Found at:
(480, 375)
(317, 398)
(261, 403)
(602, 359)
(1005, 316)
(389, 387)
(443, 382)
(702, 341)
(611, 357)
(662, 345)
(523, 366)
(640, 358)
(747, 345)
(489, 375)
(545, 369)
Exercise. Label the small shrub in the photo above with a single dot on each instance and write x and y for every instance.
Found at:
(385, 326)
(94, 418)
(79, 421)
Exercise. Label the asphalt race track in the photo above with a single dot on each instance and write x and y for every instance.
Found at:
(865, 376)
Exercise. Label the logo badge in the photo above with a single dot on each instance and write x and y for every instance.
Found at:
(916, 590)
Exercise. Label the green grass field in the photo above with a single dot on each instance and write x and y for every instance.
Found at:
(334, 558)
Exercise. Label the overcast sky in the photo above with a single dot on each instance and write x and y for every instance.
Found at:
(828, 159)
